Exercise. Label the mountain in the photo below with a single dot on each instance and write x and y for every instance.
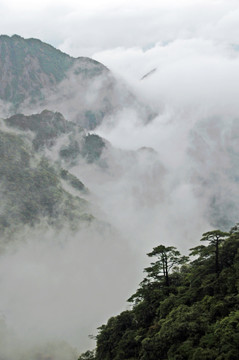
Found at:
(34, 187)
(48, 128)
(28, 66)
(35, 76)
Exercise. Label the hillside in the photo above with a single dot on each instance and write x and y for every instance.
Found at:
(28, 66)
(47, 129)
(182, 310)
(35, 76)
(32, 185)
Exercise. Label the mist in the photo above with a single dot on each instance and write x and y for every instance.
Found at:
(194, 90)
(58, 287)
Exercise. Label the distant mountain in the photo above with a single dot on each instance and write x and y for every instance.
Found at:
(48, 128)
(34, 187)
(27, 66)
(35, 76)
(39, 154)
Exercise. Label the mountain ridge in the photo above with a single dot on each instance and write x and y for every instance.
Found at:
(29, 65)
(35, 76)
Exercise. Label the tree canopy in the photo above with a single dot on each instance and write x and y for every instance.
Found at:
(183, 309)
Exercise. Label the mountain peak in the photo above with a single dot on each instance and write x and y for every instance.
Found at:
(28, 67)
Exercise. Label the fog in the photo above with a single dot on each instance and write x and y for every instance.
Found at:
(58, 287)
(194, 90)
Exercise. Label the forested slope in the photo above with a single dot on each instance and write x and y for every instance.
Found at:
(183, 309)
(32, 190)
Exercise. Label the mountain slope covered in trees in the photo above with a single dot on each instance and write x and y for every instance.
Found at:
(27, 66)
(35, 76)
(32, 189)
(183, 309)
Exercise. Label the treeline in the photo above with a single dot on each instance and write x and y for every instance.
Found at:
(185, 308)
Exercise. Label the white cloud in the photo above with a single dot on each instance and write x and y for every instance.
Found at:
(59, 286)
(82, 28)
(193, 75)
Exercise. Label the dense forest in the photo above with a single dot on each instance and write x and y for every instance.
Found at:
(185, 307)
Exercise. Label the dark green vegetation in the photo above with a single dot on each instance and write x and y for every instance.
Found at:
(93, 146)
(89, 147)
(91, 119)
(36, 76)
(183, 309)
(31, 188)
(47, 126)
(27, 66)
(73, 180)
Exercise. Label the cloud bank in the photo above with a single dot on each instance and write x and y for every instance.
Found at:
(82, 28)
(58, 287)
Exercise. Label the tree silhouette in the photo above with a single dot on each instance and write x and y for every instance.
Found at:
(168, 258)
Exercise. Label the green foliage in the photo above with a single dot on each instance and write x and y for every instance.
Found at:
(47, 126)
(168, 259)
(116, 340)
(33, 65)
(92, 119)
(92, 147)
(71, 151)
(73, 180)
(88, 355)
(194, 316)
(30, 62)
(31, 188)
(215, 238)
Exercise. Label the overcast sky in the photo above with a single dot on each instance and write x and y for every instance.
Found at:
(123, 34)
(88, 27)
